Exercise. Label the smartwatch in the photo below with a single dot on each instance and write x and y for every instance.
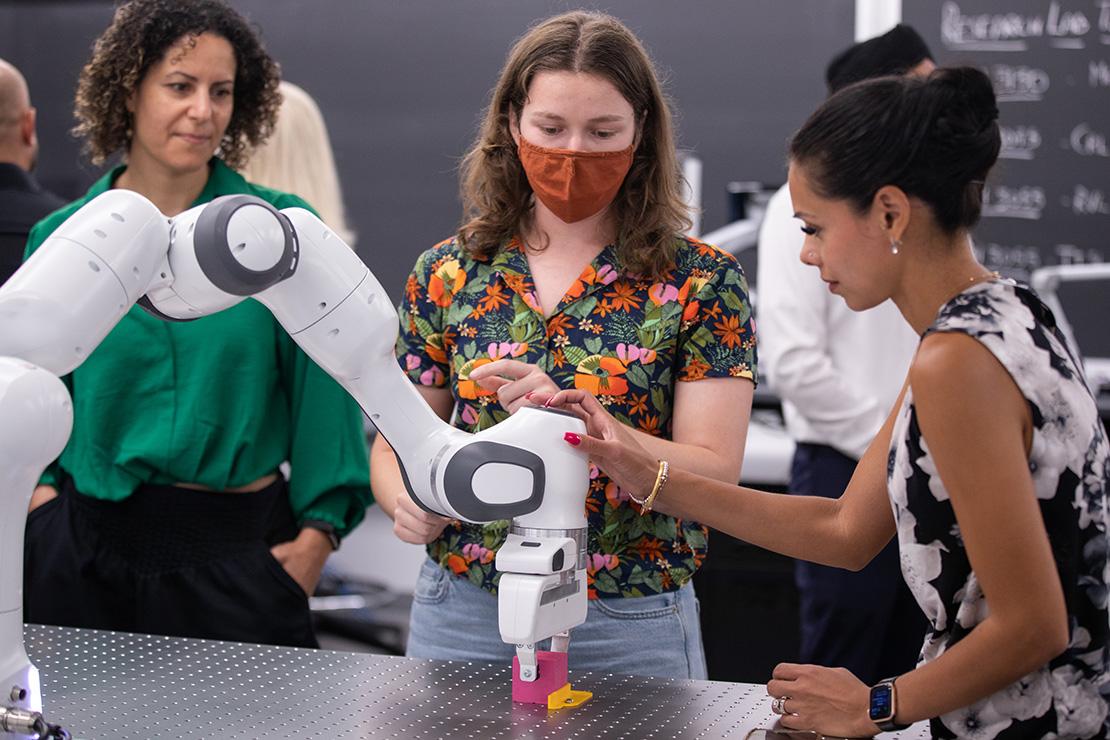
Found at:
(884, 705)
(326, 527)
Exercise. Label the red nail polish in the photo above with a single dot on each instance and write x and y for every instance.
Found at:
(573, 438)
(547, 403)
(529, 394)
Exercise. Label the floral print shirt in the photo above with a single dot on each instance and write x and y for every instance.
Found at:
(624, 338)
(1070, 463)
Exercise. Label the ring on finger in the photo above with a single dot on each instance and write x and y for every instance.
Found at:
(778, 705)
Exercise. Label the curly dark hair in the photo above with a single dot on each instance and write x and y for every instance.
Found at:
(141, 33)
(648, 209)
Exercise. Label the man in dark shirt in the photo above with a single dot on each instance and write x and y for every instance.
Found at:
(23, 202)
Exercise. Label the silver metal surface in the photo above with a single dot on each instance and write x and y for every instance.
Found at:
(21, 722)
(578, 535)
(118, 685)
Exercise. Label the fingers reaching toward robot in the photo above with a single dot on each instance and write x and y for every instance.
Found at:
(413, 524)
(513, 381)
(609, 444)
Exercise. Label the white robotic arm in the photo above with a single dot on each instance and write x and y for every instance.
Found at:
(119, 249)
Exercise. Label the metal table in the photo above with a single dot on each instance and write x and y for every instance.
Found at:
(119, 685)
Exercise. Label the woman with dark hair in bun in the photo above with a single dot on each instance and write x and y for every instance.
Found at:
(992, 468)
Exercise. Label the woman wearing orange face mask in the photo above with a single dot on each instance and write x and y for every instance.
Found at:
(569, 271)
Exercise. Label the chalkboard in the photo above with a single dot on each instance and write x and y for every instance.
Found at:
(1048, 200)
(402, 86)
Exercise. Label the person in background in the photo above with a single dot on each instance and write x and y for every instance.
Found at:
(22, 200)
(297, 158)
(992, 469)
(166, 512)
(838, 373)
(570, 271)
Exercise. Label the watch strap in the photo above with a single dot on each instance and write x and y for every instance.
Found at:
(327, 528)
(890, 726)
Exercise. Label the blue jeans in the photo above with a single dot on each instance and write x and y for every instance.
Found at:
(452, 619)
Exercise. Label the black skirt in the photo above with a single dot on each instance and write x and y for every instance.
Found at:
(167, 561)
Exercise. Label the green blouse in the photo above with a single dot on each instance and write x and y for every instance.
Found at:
(220, 401)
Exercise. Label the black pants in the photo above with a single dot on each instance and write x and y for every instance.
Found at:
(866, 621)
(167, 561)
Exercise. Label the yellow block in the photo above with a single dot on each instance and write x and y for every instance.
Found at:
(566, 697)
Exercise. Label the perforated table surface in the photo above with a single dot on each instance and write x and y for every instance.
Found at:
(119, 685)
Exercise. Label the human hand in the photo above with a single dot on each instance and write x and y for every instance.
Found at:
(414, 525)
(831, 701)
(303, 558)
(513, 381)
(610, 445)
(42, 495)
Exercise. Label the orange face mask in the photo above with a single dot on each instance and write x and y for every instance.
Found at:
(574, 185)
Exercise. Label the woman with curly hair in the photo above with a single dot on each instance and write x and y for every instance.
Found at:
(570, 271)
(166, 512)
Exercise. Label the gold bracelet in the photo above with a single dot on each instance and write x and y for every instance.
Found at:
(643, 501)
(661, 477)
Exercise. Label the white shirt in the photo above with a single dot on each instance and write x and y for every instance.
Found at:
(837, 371)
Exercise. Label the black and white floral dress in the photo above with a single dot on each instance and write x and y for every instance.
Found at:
(1070, 463)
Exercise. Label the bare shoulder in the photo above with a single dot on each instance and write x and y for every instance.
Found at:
(956, 375)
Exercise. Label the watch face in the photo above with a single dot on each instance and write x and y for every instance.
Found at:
(880, 708)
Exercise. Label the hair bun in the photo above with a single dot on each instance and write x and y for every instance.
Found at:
(935, 138)
(966, 103)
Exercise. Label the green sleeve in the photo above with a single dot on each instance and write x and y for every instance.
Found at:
(39, 233)
(288, 200)
(329, 462)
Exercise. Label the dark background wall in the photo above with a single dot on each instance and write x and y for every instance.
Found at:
(402, 85)
(1048, 200)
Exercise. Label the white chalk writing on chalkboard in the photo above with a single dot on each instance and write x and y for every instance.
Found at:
(1070, 254)
(1003, 201)
(1064, 28)
(1019, 142)
(1098, 74)
(987, 32)
(1013, 260)
(1018, 83)
(1087, 142)
(1018, 260)
(1085, 201)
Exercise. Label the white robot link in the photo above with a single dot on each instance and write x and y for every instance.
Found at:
(119, 249)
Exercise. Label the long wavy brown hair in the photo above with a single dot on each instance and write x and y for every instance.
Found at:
(648, 210)
(139, 36)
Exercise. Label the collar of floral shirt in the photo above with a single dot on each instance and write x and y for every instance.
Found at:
(512, 264)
